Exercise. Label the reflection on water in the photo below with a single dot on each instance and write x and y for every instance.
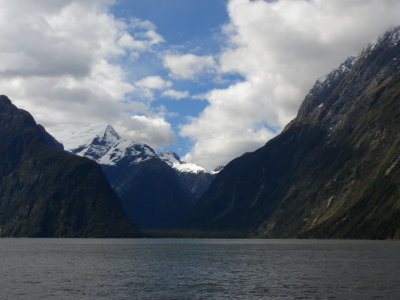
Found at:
(198, 269)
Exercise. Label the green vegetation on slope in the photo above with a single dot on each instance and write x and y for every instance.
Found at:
(334, 171)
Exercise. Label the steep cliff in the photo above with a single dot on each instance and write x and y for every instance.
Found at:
(333, 172)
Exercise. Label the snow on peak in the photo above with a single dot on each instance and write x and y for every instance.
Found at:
(173, 160)
(110, 134)
(100, 144)
(170, 157)
(104, 145)
(189, 168)
(73, 138)
(131, 151)
(109, 149)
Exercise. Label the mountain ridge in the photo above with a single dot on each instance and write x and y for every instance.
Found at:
(99, 148)
(333, 172)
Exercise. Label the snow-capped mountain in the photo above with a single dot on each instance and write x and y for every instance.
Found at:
(173, 160)
(193, 177)
(104, 145)
(155, 189)
(99, 145)
(108, 148)
(73, 138)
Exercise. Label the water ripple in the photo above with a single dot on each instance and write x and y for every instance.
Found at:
(198, 269)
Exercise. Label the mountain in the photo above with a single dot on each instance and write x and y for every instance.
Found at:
(333, 172)
(193, 177)
(46, 192)
(96, 141)
(152, 192)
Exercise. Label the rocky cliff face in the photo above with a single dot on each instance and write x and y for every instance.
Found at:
(45, 192)
(334, 171)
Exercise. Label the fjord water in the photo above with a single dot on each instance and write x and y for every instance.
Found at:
(198, 269)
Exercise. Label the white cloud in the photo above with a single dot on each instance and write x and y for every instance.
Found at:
(148, 84)
(127, 41)
(280, 48)
(154, 82)
(58, 62)
(143, 37)
(177, 95)
(188, 66)
(154, 131)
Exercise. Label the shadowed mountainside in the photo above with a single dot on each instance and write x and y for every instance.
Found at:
(46, 192)
(334, 171)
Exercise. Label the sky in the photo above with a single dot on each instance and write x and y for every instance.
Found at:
(209, 79)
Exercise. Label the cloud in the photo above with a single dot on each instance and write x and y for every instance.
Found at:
(177, 95)
(188, 66)
(280, 48)
(154, 82)
(154, 131)
(142, 36)
(148, 84)
(60, 62)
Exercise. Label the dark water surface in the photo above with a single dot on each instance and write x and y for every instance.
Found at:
(198, 269)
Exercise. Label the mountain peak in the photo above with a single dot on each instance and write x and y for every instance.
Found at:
(5, 99)
(314, 105)
(99, 145)
(394, 36)
(110, 136)
(73, 138)
(126, 150)
(110, 131)
(335, 75)
(170, 157)
(173, 160)
(217, 170)
(390, 38)
(104, 145)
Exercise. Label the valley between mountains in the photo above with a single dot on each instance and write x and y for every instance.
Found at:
(333, 172)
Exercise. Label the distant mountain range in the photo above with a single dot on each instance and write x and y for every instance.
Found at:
(333, 172)
(46, 192)
(155, 189)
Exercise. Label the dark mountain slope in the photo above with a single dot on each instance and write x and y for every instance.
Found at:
(45, 192)
(333, 172)
(150, 192)
(193, 178)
